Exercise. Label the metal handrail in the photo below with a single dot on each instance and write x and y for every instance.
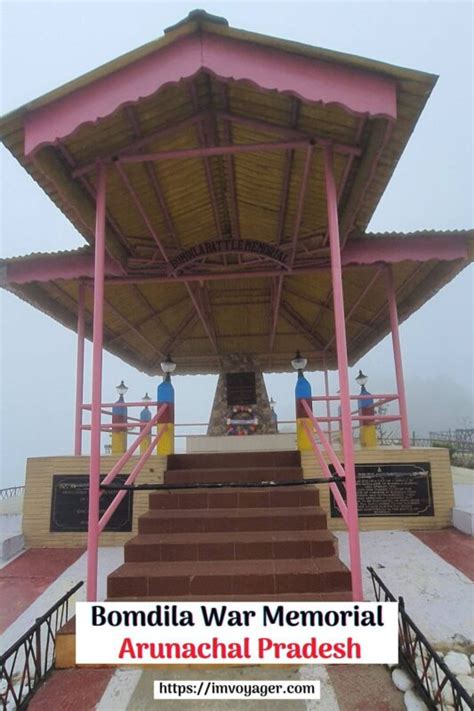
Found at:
(11, 491)
(427, 669)
(29, 660)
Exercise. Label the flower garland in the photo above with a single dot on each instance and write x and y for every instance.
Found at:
(242, 421)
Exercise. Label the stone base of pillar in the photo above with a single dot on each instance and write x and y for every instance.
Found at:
(222, 411)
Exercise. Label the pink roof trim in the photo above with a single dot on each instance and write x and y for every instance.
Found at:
(311, 80)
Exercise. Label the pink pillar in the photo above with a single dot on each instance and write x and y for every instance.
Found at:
(98, 335)
(341, 346)
(79, 372)
(397, 355)
(328, 404)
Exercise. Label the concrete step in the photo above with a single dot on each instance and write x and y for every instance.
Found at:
(235, 498)
(238, 545)
(253, 519)
(239, 475)
(341, 596)
(224, 577)
(222, 460)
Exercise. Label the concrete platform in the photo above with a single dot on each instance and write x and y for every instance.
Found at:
(463, 511)
(250, 443)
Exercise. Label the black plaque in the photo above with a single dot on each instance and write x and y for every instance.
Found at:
(70, 505)
(241, 389)
(391, 490)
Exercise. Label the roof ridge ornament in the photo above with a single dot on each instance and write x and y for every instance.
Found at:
(198, 16)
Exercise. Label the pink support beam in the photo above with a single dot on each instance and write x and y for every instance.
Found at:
(276, 308)
(141, 142)
(348, 166)
(301, 325)
(186, 323)
(91, 192)
(277, 285)
(288, 132)
(206, 322)
(79, 370)
(350, 219)
(310, 79)
(328, 402)
(131, 327)
(301, 199)
(153, 233)
(227, 150)
(341, 345)
(147, 320)
(355, 305)
(201, 133)
(229, 163)
(137, 202)
(151, 172)
(397, 355)
(97, 344)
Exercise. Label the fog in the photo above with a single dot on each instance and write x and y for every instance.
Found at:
(47, 44)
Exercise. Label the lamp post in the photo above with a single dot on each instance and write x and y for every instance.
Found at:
(165, 394)
(368, 432)
(119, 416)
(274, 415)
(302, 392)
(145, 417)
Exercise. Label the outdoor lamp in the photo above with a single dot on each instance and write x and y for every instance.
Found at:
(168, 366)
(361, 379)
(146, 399)
(121, 389)
(272, 403)
(299, 362)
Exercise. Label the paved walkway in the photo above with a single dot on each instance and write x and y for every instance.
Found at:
(427, 568)
(343, 688)
(24, 579)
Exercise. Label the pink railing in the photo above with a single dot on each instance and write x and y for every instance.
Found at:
(378, 400)
(96, 526)
(347, 504)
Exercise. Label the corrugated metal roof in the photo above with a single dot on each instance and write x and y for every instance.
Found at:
(145, 321)
(254, 196)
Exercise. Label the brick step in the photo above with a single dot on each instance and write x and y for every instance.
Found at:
(235, 577)
(238, 545)
(242, 475)
(253, 519)
(221, 460)
(341, 596)
(235, 498)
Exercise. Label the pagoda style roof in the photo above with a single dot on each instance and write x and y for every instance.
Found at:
(144, 321)
(217, 238)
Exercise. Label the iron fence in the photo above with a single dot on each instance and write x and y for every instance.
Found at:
(11, 491)
(30, 659)
(434, 681)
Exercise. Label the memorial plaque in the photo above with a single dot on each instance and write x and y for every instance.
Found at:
(70, 505)
(241, 389)
(391, 490)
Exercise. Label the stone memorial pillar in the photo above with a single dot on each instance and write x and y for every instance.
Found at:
(241, 406)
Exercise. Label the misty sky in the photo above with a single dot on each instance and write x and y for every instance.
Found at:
(47, 44)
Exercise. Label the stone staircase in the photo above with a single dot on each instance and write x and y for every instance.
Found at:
(232, 543)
